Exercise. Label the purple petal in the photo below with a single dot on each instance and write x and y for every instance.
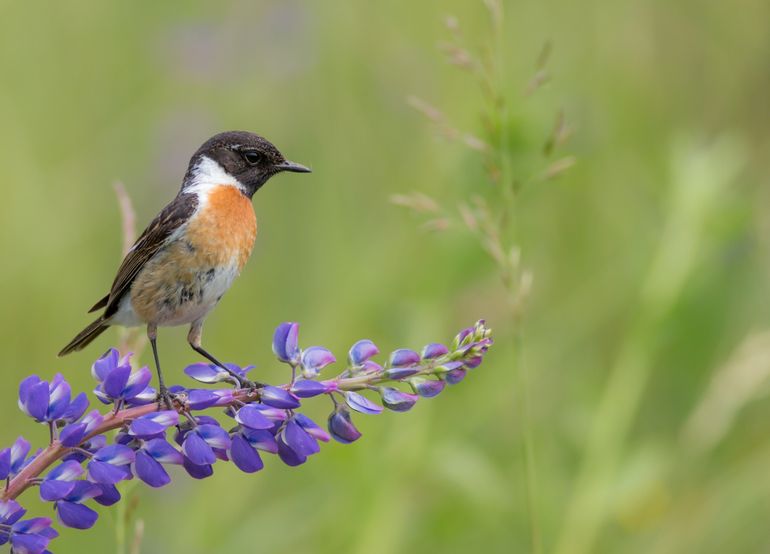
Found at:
(474, 362)
(398, 373)
(464, 336)
(116, 454)
(285, 342)
(200, 399)
(137, 382)
(341, 426)
(19, 450)
(296, 438)
(147, 426)
(106, 473)
(5, 463)
(197, 451)
(116, 381)
(288, 455)
(455, 376)
(307, 388)
(362, 351)
(205, 373)
(278, 398)
(312, 428)
(314, 359)
(162, 451)
(77, 408)
(196, 471)
(65, 471)
(72, 434)
(450, 366)
(261, 439)
(244, 456)
(36, 525)
(83, 491)
(214, 435)
(396, 400)
(105, 364)
(58, 397)
(36, 402)
(404, 357)
(362, 404)
(55, 490)
(32, 543)
(11, 511)
(75, 515)
(427, 388)
(252, 417)
(109, 495)
(434, 350)
(150, 471)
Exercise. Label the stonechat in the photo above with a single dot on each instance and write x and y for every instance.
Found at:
(187, 258)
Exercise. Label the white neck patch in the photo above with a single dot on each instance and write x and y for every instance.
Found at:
(208, 174)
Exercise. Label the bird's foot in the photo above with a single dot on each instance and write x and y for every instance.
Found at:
(166, 399)
(244, 383)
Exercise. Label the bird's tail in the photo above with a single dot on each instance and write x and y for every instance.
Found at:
(85, 336)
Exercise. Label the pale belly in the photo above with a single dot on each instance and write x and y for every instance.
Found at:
(173, 290)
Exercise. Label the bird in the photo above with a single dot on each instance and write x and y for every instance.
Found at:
(187, 258)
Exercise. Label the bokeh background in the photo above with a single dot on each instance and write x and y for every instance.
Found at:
(625, 411)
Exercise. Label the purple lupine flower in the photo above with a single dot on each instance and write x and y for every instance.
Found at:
(5, 463)
(252, 417)
(110, 464)
(434, 350)
(295, 444)
(278, 398)
(404, 358)
(396, 400)
(398, 373)
(151, 425)
(200, 442)
(73, 434)
(117, 382)
(362, 351)
(360, 403)
(244, 454)
(60, 481)
(149, 459)
(454, 376)
(307, 388)
(29, 536)
(76, 409)
(312, 428)
(200, 399)
(108, 496)
(341, 426)
(43, 401)
(314, 359)
(427, 388)
(285, 343)
(210, 373)
(72, 512)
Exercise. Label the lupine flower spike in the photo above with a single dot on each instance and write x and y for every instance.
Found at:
(83, 464)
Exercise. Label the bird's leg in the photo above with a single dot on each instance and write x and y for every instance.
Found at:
(164, 396)
(194, 338)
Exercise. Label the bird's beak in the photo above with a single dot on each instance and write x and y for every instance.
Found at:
(293, 167)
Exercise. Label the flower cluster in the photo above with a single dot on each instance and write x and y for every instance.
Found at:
(84, 461)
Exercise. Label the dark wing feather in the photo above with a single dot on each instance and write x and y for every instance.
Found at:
(176, 213)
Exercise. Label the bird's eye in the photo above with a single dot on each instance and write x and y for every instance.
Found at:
(252, 157)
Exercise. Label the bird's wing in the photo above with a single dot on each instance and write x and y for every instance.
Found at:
(175, 214)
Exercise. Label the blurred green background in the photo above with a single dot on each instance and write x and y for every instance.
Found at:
(641, 376)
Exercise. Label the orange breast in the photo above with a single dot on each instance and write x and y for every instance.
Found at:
(224, 229)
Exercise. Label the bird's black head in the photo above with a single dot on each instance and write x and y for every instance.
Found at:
(239, 156)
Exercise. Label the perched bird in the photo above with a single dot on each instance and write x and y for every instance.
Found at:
(188, 257)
